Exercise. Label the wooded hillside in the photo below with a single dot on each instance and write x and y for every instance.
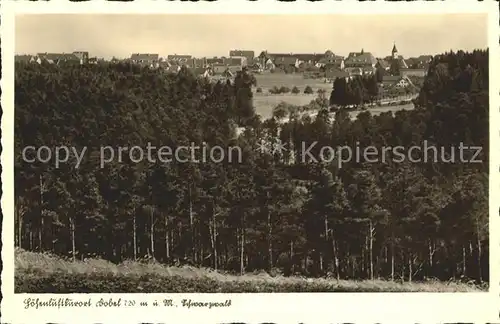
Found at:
(388, 220)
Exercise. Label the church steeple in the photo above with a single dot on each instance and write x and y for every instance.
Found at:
(394, 51)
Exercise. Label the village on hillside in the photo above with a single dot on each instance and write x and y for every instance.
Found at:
(393, 70)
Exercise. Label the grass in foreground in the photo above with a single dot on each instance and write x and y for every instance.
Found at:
(43, 273)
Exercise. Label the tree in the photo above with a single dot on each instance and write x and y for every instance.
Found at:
(308, 90)
(265, 211)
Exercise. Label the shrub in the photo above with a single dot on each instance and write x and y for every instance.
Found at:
(295, 90)
(274, 90)
(308, 90)
(284, 89)
(259, 90)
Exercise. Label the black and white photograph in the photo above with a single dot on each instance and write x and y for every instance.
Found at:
(251, 153)
(249, 162)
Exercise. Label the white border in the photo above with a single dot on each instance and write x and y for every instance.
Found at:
(257, 308)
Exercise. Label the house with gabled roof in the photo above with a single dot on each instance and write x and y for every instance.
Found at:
(249, 55)
(234, 69)
(199, 62)
(218, 69)
(286, 62)
(396, 81)
(145, 59)
(331, 61)
(307, 67)
(333, 73)
(413, 72)
(401, 62)
(269, 64)
(58, 58)
(93, 60)
(256, 67)
(180, 59)
(420, 62)
(383, 64)
(25, 59)
(235, 61)
(83, 56)
(201, 72)
(163, 64)
(215, 60)
(173, 69)
(308, 57)
(360, 61)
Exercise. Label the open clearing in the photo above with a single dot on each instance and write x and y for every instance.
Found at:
(44, 273)
(264, 104)
(268, 80)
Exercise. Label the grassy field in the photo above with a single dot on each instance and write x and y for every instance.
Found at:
(264, 104)
(268, 80)
(38, 273)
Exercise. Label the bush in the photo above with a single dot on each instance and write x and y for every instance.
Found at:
(295, 90)
(308, 90)
(274, 90)
(284, 89)
(259, 90)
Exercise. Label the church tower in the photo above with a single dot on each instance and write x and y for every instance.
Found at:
(394, 52)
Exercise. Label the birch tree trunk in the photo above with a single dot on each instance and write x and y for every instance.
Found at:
(167, 239)
(19, 214)
(371, 249)
(430, 254)
(73, 244)
(392, 257)
(464, 262)
(213, 236)
(40, 230)
(242, 251)
(135, 235)
(152, 232)
(269, 240)
(410, 267)
(191, 224)
(480, 272)
(335, 256)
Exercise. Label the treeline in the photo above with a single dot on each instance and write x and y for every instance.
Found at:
(365, 89)
(354, 92)
(272, 211)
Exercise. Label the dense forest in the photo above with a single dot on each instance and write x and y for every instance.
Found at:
(393, 220)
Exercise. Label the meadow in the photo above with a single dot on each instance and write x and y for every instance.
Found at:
(46, 273)
(268, 80)
(265, 102)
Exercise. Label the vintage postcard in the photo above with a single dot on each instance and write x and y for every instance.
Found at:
(250, 162)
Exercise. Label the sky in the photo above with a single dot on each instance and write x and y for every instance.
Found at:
(214, 35)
